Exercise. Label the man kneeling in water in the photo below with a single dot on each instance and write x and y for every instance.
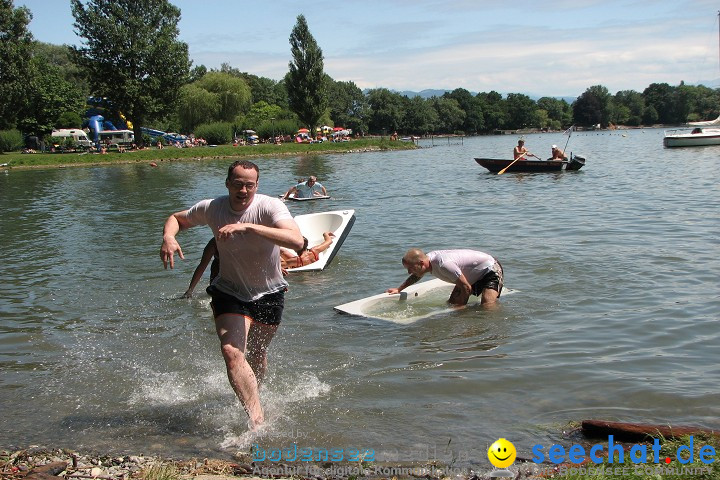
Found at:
(471, 271)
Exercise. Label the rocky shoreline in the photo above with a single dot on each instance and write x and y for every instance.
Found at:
(38, 463)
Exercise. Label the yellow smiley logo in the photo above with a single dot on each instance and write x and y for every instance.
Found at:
(502, 453)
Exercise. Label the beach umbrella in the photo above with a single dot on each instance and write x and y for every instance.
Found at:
(303, 130)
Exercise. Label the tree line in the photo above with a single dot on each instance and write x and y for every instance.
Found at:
(131, 55)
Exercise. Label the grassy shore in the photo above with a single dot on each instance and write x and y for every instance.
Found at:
(36, 160)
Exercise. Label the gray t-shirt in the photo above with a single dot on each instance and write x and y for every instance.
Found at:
(449, 264)
(249, 264)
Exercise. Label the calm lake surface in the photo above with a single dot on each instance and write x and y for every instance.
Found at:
(615, 317)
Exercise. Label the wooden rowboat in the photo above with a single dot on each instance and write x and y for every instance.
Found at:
(576, 162)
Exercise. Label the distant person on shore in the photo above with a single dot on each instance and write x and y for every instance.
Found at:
(521, 151)
(309, 188)
(557, 154)
(472, 272)
(248, 295)
(305, 256)
(210, 253)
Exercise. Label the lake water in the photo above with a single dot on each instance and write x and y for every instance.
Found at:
(615, 317)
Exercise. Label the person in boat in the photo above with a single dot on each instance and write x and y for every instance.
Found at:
(557, 154)
(309, 188)
(473, 273)
(210, 253)
(521, 151)
(305, 256)
(248, 294)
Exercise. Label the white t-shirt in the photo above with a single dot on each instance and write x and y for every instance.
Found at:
(249, 263)
(306, 191)
(449, 264)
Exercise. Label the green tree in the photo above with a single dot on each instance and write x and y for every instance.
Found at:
(261, 112)
(593, 107)
(232, 93)
(708, 103)
(387, 111)
(472, 106)
(348, 105)
(494, 110)
(49, 95)
(196, 106)
(69, 120)
(420, 116)
(686, 100)
(450, 116)
(131, 55)
(521, 110)
(650, 116)
(307, 92)
(660, 96)
(542, 120)
(634, 103)
(559, 111)
(15, 49)
(266, 90)
(60, 56)
(197, 73)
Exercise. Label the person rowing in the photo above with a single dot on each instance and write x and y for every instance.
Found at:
(520, 152)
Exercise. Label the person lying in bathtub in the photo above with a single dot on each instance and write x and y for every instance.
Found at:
(305, 256)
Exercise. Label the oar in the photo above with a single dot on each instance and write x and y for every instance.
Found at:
(511, 164)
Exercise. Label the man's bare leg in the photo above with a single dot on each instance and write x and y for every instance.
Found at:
(489, 298)
(232, 329)
(258, 340)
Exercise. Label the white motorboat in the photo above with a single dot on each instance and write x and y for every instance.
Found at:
(416, 302)
(697, 137)
(701, 134)
(313, 225)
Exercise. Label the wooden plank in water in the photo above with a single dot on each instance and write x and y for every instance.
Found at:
(638, 431)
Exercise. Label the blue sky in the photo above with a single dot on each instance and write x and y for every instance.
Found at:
(553, 48)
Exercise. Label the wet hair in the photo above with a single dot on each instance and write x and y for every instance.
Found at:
(304, 247)
(248, 165)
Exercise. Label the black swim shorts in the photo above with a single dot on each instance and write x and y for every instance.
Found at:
(266, 309)
(493, 280)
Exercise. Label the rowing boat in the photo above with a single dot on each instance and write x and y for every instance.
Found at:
(576, 162)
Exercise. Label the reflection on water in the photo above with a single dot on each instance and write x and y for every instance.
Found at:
(615, 314)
